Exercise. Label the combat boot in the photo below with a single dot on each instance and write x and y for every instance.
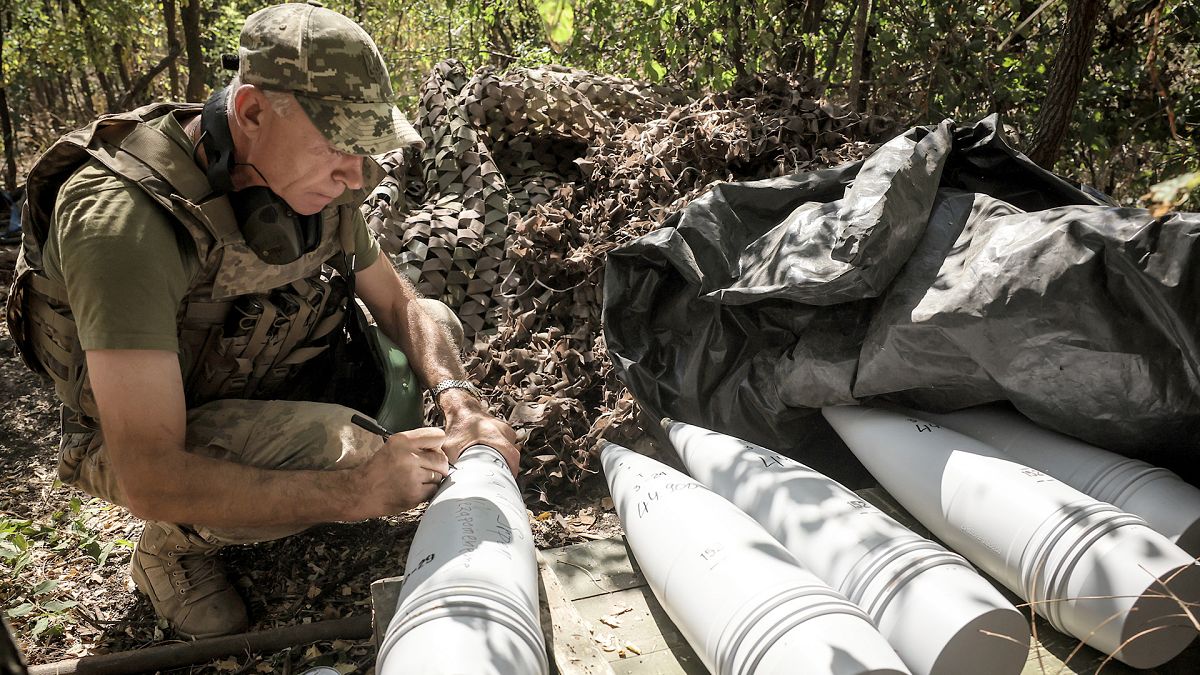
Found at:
(186, 582)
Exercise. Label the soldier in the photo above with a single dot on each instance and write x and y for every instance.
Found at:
(187, 280)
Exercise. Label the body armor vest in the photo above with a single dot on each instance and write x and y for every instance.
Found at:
(246, 328)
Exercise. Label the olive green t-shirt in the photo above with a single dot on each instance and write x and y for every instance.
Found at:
(124, 260)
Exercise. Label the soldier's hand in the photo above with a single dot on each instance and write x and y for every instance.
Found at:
(405, 472)
(465, 429)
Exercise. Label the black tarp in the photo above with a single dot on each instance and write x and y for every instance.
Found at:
(946, 270)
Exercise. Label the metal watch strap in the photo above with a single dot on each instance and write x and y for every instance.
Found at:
(455, 384)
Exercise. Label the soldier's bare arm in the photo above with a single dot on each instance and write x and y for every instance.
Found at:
(434, 358)
(140, 397)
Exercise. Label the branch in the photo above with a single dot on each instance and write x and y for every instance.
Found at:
(1152, 66)
(144, 80)
(179, 654)
(1021, 27)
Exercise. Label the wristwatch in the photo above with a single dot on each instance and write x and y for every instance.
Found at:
(455, 384)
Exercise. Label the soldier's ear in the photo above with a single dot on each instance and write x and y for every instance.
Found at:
(250, 108)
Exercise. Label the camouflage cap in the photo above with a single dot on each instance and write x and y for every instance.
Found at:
(334, 70)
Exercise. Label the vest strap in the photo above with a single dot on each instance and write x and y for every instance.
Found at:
(48, 315)
(156, 150)
(48, 288)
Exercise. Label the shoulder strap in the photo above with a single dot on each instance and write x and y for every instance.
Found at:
(150, 158)
(128, 147)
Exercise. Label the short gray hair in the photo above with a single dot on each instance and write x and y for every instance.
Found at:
(282, 102)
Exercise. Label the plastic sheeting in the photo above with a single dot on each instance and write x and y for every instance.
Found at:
(945, 270)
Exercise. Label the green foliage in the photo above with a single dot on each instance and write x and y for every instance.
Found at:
(1174, 193)
(926, 60)
(18, 541)
(15, 537)
(559, 17)
(45, 610)
(49, 616)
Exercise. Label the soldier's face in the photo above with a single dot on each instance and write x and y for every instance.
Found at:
(301, 166)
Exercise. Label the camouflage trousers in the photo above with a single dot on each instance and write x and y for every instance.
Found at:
(287, 435)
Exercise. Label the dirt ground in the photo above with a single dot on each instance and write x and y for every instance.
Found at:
(63, 555)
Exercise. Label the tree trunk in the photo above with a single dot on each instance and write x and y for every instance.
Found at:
(208, 45)
(64, 93)
(197, 73)
(6, 127)
(832, 56)
(737, 52)
(118, 53)
(168, 12)
(10, 142)
(814, 14)
(866, 103)
(70, 95)
(790, 51)
(85, 85)
(800, 17)
(39, 97)
(110, 96)
(54, 95)
(857, 71)
(1066, 75)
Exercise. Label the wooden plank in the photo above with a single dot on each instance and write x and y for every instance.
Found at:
(631, 617)
(567, 638)
(660, 663)
(626, 622)
(384, 594)
(632, 628)
(594, 568)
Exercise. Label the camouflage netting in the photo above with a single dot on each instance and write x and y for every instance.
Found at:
(529, 177)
